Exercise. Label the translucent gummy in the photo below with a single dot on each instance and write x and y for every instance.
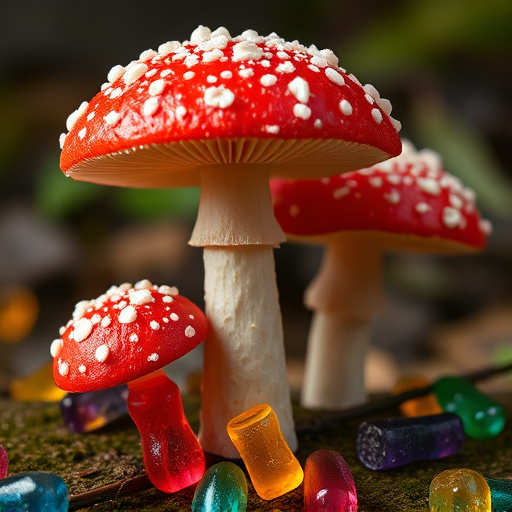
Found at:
(422, 406)
(33, 492)
(501, 494)
(223, 488)
(328, 483)
(172, 454)
(271, 465)
(391, 443)
(482, 417)
(4, 462)
(459, 490)
(85, 412)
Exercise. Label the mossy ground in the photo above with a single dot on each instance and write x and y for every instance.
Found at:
(36, 440)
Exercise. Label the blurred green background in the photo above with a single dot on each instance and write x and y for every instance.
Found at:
(444, 64)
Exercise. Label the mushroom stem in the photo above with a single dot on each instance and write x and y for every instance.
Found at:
(244, 359)
(345, 295)
(236, 208)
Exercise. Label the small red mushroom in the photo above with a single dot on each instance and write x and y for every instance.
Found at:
(405, 203)
(227, 113)
(125, 336)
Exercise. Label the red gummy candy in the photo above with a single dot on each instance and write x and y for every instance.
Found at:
(172, 454)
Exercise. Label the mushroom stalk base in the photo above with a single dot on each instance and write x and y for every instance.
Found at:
(345, 295)
(334, 375)
(244, 358)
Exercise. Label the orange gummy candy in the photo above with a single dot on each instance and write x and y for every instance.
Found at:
(422, 406)
(271, 465)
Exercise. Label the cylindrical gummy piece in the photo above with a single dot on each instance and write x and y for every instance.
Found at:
(481, 415)
(273, 468)
(391, 443)
(501, 494)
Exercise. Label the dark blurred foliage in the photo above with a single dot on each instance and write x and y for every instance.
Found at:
(445, 66)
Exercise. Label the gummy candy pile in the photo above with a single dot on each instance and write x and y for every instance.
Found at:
(432, 427)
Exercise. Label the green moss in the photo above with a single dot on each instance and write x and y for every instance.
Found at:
(36, 440)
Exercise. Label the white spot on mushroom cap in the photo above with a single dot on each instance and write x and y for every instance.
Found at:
(334, 76)
(127, 315)
(422, 207)
(268, 80)
(151, 106)
(300, 89)
(116, 93)
(174, 317)
(213, 55)
(147, 55)
(101, 353)
(83, 329)
(341, 192)
(301, 111)
(190, 332)
(285, 67)
(133, 72)
(106, 321)
(220, 97)
(157, 87)
(82, 368)
(429, 185)
(115, 73)
(345, 107)
(133, 338)
(154, 325)
(246, 72)
(63, 368)
(144, 284)
(153, 357)
(377, 115)
(188, 75)
(139, 297)
(273, 129)
(393, 197)
(168, 47)
(246, 50)
(56, 347)
(200, 34)
(112, 118)
(74, 116)
(451, 217)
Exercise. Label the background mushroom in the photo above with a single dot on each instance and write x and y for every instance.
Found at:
(125, 336)
(227, 114)
(405, 203)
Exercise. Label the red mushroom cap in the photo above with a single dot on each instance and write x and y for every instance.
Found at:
(125, 334)
(218, 88)
(406, 195)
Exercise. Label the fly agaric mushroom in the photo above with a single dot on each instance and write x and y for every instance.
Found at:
(227, 114)
(125, 336)
(405, 203)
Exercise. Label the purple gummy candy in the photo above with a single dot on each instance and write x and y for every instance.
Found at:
(84, 412)
(396, 442)
(4, 462)
(328, 483)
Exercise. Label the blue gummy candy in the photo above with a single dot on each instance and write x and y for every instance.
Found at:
(33, 492)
